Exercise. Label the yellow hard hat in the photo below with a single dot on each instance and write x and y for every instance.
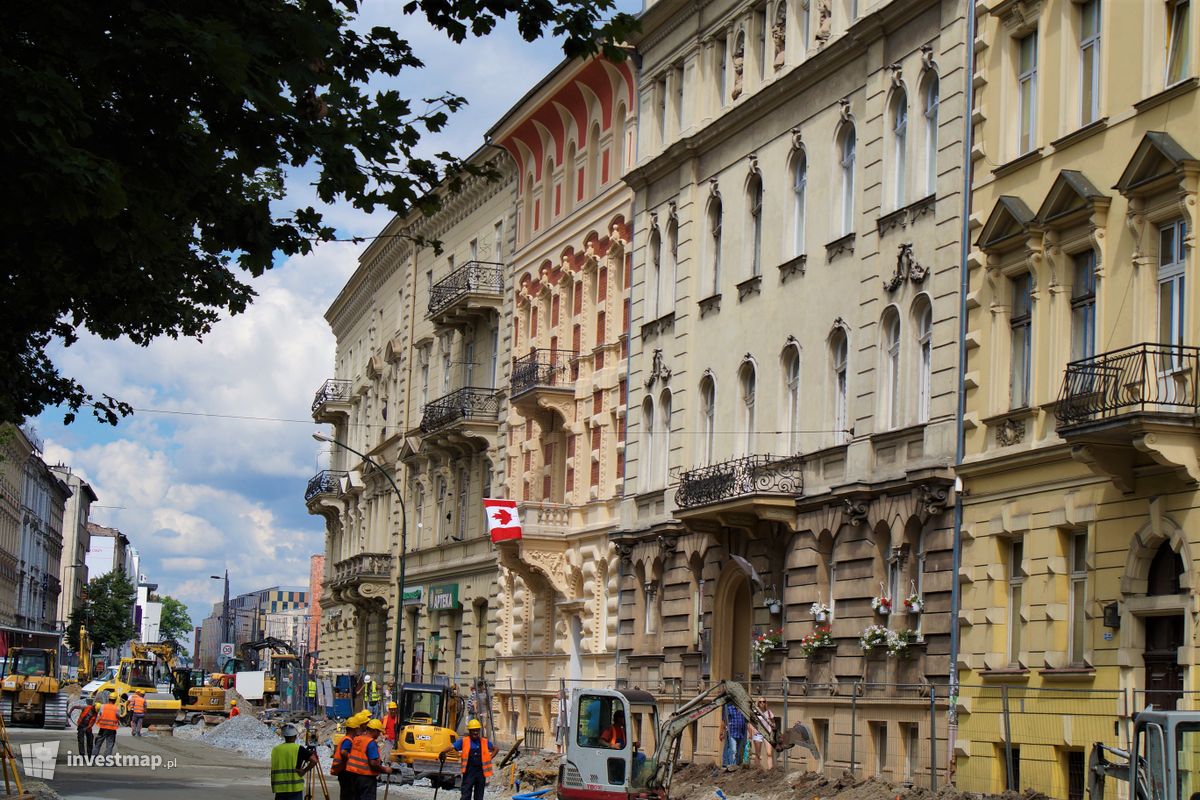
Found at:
(391, 704)
(375, 725)
(140, 691)
(358, 720)
(474, 725)
(233, 702)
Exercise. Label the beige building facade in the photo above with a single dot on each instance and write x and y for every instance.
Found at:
(793, 370)
(1081, 512)
(15, 450)
(415, 389)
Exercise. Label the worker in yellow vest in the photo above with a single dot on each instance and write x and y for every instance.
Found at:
(110, 720)
(310, 693)
(289, 764)
(365, 762)
(137, 710)
(475, 760)
(371, 695)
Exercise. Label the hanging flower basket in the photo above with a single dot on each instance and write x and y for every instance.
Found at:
(766, 642)
(872, 637)
(812, 643)
(914, 604)
(820, 611)
(882, 605)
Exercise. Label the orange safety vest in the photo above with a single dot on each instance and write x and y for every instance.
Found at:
(338, 765)
(109, 721)
(137, 704)
(485, 751)
(87, 719)
(357, 761)
(233, 712)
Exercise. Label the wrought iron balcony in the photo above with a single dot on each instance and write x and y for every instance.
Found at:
(469, 404)
(541, 368)
(361, 566)
(474, 287)
(327, 481)
(1155, 379)
(739, 478)
(331, 391)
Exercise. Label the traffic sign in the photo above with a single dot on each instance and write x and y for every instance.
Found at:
(227, 649)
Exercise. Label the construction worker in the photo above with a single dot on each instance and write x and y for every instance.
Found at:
(84, 726)
(369, 690)
(364, 761)
(137, 710)
(310, 694)
(475, 758)
(391, 723)
(347, 790)
(108, 722)
(289, 764)
(233, 709)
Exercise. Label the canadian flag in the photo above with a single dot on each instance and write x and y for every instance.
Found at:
(503, 521)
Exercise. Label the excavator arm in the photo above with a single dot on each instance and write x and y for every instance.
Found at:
(1100, 768)
(251, 650)
(670, 732)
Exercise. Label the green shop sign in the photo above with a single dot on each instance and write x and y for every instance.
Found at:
(414, 597)
(443, 597)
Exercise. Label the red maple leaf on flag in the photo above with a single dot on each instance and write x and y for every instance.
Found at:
(502, 516)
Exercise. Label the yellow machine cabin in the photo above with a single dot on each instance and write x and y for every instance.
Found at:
(162, 708)
(429, 716)
(29, 692)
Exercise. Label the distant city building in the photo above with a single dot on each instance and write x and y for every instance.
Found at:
(73, 573)
(108, 549)
(249, 615)
(43, 501)
(147, 613)
(14, 450)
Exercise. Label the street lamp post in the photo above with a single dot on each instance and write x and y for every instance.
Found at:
(224, 607)
(398, 653)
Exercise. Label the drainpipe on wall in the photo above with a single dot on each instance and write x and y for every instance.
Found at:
(960, 411)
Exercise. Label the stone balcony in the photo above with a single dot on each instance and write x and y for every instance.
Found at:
(749, 487)
(473, 290)
(331, 403)
(361, 578)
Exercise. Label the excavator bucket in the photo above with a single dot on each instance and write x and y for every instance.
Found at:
(799, 735)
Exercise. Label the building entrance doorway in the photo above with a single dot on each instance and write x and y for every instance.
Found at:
(733, 616)
(1164, 676)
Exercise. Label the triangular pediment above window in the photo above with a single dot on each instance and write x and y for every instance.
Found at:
(1156, 162)
(1008, 221)
(1071, 198)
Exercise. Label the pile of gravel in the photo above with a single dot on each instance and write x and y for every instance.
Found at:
(246, 735)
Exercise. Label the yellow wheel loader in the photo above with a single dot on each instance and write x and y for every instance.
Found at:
(30, 691)
(162, 708)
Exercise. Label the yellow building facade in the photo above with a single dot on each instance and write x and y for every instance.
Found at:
(1080, 506)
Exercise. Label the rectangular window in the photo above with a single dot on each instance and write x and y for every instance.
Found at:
(1171, 262)
(760, 30)
(1016, 582)
(1179, 41)
(473, 247)
(660, 94)
(1076, 775)
(1027, 93)
(1083, 306)
(720, 56)
(1021, 325)
(879, 734)
(423, 356)
(1089, 61)
(464, 488)
(679, 98)
(498, 242)
(1078, 573)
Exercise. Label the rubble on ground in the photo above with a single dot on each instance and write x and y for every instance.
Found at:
(39, 790)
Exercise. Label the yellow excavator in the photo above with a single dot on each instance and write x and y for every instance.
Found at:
(190, 687)
(162, 708)
(429, 719)
(276, 658)
(30, 692)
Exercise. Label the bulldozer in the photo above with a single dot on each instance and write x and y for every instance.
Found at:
(600, 762)
(30, 691)
(429, 724)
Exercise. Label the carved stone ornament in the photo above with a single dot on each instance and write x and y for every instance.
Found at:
(844, 109)
(824, 21)
(714, 188)
(625, 553)
(933, 498)
(653, 220)
(754, 168)
(779, 34)
(739, 62)
(927, 57)
(856, 511)
(907, 269)
(667, 543)
(897, 74)
(659, 371)
(617, 235)
(797, 138)
(1010, 432)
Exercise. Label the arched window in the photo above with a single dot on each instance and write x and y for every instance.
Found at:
(593, 160)
(799, 202)
(618, 162)
(931, 133)
(714, 244)
(666, 290)
(846, 162)
(708, 418)
(899, 146)
(923, 317)
(646, 468)
(791, 393)
(839, 360)
(547, 193)
(569, 179)
(664, 436)
(654, 278)
(528, 224)
(754, 196)
(747, 383)
(890, 385)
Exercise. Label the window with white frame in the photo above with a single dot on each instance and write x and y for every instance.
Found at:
(924, 320)
(1089, 61)
(760, 30)
(498, 242)
(664, 438)
(1078, 542)
(468, 365)
(666, 288)
(1021, 339)
(495, 355)
(1016, 585)
(899, 146)
(932, 103)
(447, 361)
(1083, 306)
(747, 381)
(846, 161)
(419, 506)
(714, 236)
(839, 352)
(423, 358)
(1027, 68)
(648, 442)
(708, 419)
(1179, 40)
(799, 202)
(791, 375)
(1171, 297)
(755, 200)
(890, 401)
(473, 250)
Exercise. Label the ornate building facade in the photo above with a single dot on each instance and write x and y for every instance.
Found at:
(793, 371)
(1080, 514)
(419, 349)
(564, 405)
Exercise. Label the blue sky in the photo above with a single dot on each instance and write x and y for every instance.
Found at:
(199, 494)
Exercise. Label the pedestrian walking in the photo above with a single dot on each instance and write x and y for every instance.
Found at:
(137, 710)
(733, 734)
(475, 760)
(289, 764)
(84, 726)
(347, 790)
(757, 737)
(365, 762)
(108, 722)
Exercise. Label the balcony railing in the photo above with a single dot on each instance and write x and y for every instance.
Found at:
(1145, 378)
(331, 391)
(363, 565)
(473, 277)
(556, 369)
(740, 477)
(471, 403)
(327, 481)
